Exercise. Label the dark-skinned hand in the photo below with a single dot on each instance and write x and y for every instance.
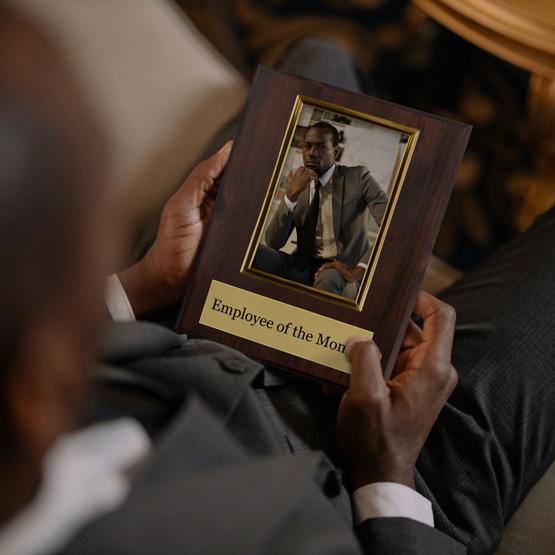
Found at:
(299, 181)
(158, 280)
(383, 424)
(350, 274)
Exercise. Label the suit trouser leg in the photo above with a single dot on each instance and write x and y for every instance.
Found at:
(278, 264)
(496, 436)
(332, 281)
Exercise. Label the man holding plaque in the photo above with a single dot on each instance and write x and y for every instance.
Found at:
(202, 461)
(326, 203)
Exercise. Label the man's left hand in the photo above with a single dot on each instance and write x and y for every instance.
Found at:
(383, 424)
(351, 274)
(158, 280)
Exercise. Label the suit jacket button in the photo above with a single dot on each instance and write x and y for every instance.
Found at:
(234, 365)
(332, 484)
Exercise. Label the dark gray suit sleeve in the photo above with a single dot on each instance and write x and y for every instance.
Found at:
(404, 536)
(279, 227)
(375, 198)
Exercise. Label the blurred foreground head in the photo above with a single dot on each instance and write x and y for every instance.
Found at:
(54, 255)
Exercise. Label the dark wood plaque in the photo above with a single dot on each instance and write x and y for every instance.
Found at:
(417, 202)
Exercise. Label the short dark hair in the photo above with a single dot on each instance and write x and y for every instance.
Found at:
(328, 127)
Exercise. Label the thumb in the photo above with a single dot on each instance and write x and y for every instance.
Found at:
(366, 368)
(213, 167)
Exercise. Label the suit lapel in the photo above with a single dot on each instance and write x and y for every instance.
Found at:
(338, 185)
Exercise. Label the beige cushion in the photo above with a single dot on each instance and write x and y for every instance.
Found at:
(530, 531)
(160, 90)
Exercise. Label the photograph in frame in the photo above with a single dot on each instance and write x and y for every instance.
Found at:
(327, 243)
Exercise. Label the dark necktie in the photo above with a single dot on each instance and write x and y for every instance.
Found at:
(307, 233)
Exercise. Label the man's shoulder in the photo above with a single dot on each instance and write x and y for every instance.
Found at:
(352, 173)
(351, 170)
(355, 175)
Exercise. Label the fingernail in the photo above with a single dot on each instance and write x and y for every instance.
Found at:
(228, 144)
(353, 341)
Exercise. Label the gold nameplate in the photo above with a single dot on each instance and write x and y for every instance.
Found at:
(279, 325)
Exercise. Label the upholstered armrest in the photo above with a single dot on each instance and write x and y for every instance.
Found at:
(159, 88)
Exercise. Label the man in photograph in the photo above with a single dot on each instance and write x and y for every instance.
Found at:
(326, 203)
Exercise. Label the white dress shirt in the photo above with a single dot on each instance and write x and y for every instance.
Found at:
(117, 301)
(325, 243)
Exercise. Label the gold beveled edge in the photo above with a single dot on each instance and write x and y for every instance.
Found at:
(358, 303)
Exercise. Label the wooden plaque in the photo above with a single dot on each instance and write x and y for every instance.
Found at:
(413, 157)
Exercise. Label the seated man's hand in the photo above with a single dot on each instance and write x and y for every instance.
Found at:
(297, 182)
(383, 424)
(159, 278)
(350, 274)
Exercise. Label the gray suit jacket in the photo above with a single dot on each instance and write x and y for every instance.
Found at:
(218, 480)
(354, 190)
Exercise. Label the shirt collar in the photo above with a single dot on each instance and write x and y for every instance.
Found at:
(83, 477)
(326, 177)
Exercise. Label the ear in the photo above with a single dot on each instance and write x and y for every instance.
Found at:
(335, 152)
(46, 387)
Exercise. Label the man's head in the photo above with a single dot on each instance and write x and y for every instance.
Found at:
(54, 254)
(320, 147)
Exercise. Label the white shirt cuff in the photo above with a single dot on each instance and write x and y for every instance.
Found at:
(389, 499)
(289, 203)
(362, 265)
(117, 302)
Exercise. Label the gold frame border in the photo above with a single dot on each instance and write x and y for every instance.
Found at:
(358, 303)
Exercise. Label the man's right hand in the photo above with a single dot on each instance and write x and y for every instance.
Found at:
(383, 424)
(158, 280)
(299, 181)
